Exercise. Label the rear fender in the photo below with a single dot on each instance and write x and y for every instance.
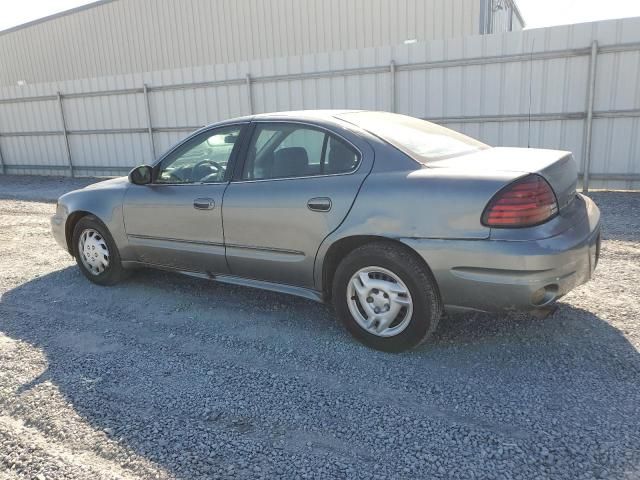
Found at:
(425, 203)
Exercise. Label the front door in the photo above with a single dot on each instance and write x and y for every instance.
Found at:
(176, 221)
(297, 185)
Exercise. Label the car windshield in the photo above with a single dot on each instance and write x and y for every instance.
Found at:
(424, 141)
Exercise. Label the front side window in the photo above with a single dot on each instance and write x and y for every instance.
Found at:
(283, 150)
(203, 159)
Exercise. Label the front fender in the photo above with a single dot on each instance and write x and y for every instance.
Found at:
(104, 203)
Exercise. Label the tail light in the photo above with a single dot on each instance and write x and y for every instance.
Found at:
(524, 203)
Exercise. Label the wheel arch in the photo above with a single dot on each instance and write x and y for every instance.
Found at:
(70, 225)
(343, 246)
(72, 221)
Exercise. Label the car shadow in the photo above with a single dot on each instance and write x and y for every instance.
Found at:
(188, 374)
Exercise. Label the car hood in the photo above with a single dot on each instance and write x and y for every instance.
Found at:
(119, 184)
(111, 183)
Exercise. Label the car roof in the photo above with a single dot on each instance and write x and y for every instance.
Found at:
(305, 114)
(321, 116)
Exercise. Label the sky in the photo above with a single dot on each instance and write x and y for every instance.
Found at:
(543, 13)
(537, 13)
(17, 12)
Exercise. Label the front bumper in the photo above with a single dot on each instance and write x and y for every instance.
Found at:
(58, 223)
(501, 275)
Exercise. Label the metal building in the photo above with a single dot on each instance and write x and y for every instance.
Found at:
(114, 37)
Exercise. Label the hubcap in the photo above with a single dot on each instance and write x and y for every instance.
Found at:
(93, 250)
(379, 301)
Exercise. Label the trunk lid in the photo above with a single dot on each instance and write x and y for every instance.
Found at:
(556, 167)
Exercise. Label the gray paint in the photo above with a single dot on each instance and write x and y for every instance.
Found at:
(262, 234)
(270, 231)
(162, 221)
(492, 275)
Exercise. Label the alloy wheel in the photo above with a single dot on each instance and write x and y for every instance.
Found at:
(379, 301)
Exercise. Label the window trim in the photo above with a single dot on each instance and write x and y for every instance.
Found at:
(237, 174)
(323, 155)
(233, 158)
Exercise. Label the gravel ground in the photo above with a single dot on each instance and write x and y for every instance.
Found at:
(165, 376)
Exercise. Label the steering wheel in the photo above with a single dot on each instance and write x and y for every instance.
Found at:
(196, 175)
(172, 178)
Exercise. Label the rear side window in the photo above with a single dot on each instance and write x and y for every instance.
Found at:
(424, 141)
(287, 150)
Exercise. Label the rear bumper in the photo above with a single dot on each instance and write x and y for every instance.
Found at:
(501, 275)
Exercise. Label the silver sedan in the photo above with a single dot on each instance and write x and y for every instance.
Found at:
(391, 218)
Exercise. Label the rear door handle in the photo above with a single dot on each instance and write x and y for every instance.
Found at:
(319, 204)
(204, 203)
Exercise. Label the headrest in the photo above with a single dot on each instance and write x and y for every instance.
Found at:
(290, 162)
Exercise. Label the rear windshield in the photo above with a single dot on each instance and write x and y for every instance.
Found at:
(424, 141)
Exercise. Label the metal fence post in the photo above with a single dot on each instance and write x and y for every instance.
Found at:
(249, 93)
(2, 167)
(392, 73)
(149, 124)
(66, 134)
(589, 121)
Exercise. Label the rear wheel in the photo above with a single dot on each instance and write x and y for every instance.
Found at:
(96, 252)
(386, 297)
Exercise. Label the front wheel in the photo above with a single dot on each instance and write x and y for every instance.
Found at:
(386, 297)
(96, 253)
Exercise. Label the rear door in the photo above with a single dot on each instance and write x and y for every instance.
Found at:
(297, 185)
(176, 221)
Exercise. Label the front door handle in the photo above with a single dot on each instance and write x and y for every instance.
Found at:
(319, 204)
(204, 203)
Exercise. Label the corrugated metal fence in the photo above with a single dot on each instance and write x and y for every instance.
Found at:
(572, 87)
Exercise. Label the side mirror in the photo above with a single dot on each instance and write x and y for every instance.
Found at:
(140, 175)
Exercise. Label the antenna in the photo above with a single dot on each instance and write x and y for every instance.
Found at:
(530, 89)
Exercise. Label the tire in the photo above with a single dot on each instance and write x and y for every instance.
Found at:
(98, 237)
(401, 270)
